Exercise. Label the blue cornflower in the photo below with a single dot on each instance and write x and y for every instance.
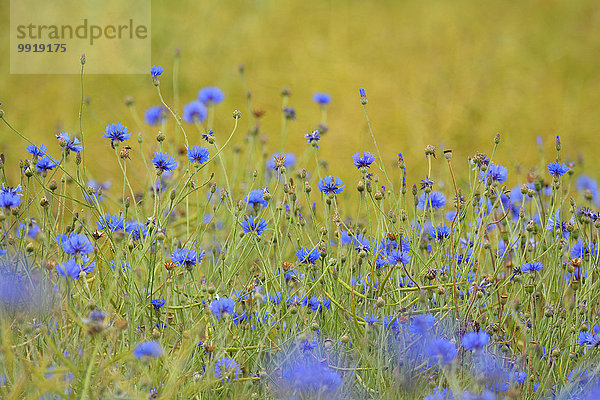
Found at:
(47, 163)
(211, 95)
(421, 324)
(293, 274)
(362, 92)
(308, 378)
(155, 115)
(315, 303)
(163, 162)
(72, 269)
(588, 340)
(313, 138)
(307, 256)
(399, 257)
(37, 151)
(148, 349)
(10, 197)
(442, 350)
(440, 394)
(198, 155)
(289, 113)
(156, 71)
(75, 243)
(361, 243)
(426, 184)
(475, 340)
(209, 134)
(226, 368)
(586, 183)
(485, 395)
(111, 222)
(222, 305)
(322, 98)
(557, 169)
(278, 160)
(117, 132)
(135, 229)
(157, 303)
(497, 172)
(186, 257)
(532, 266)
(439, 232)
(194, 112)
(72, 144)
(436, 200)
(365, 161)
(256, 197)
(32, 230)
(331, 185)
(254, 225)
(370, 319)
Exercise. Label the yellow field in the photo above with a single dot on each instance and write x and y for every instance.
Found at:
(447, 73)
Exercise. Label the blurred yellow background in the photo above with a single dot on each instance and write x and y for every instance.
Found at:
(447, 73)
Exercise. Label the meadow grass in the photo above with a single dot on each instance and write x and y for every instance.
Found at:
(231, 271)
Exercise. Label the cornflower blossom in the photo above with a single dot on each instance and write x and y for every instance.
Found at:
(254, 225)
(198, 155)
(365, 161)
(10, 197)
(147, 350)
(211, 95)
(322, 99)
(331, 185)
(222, 306)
